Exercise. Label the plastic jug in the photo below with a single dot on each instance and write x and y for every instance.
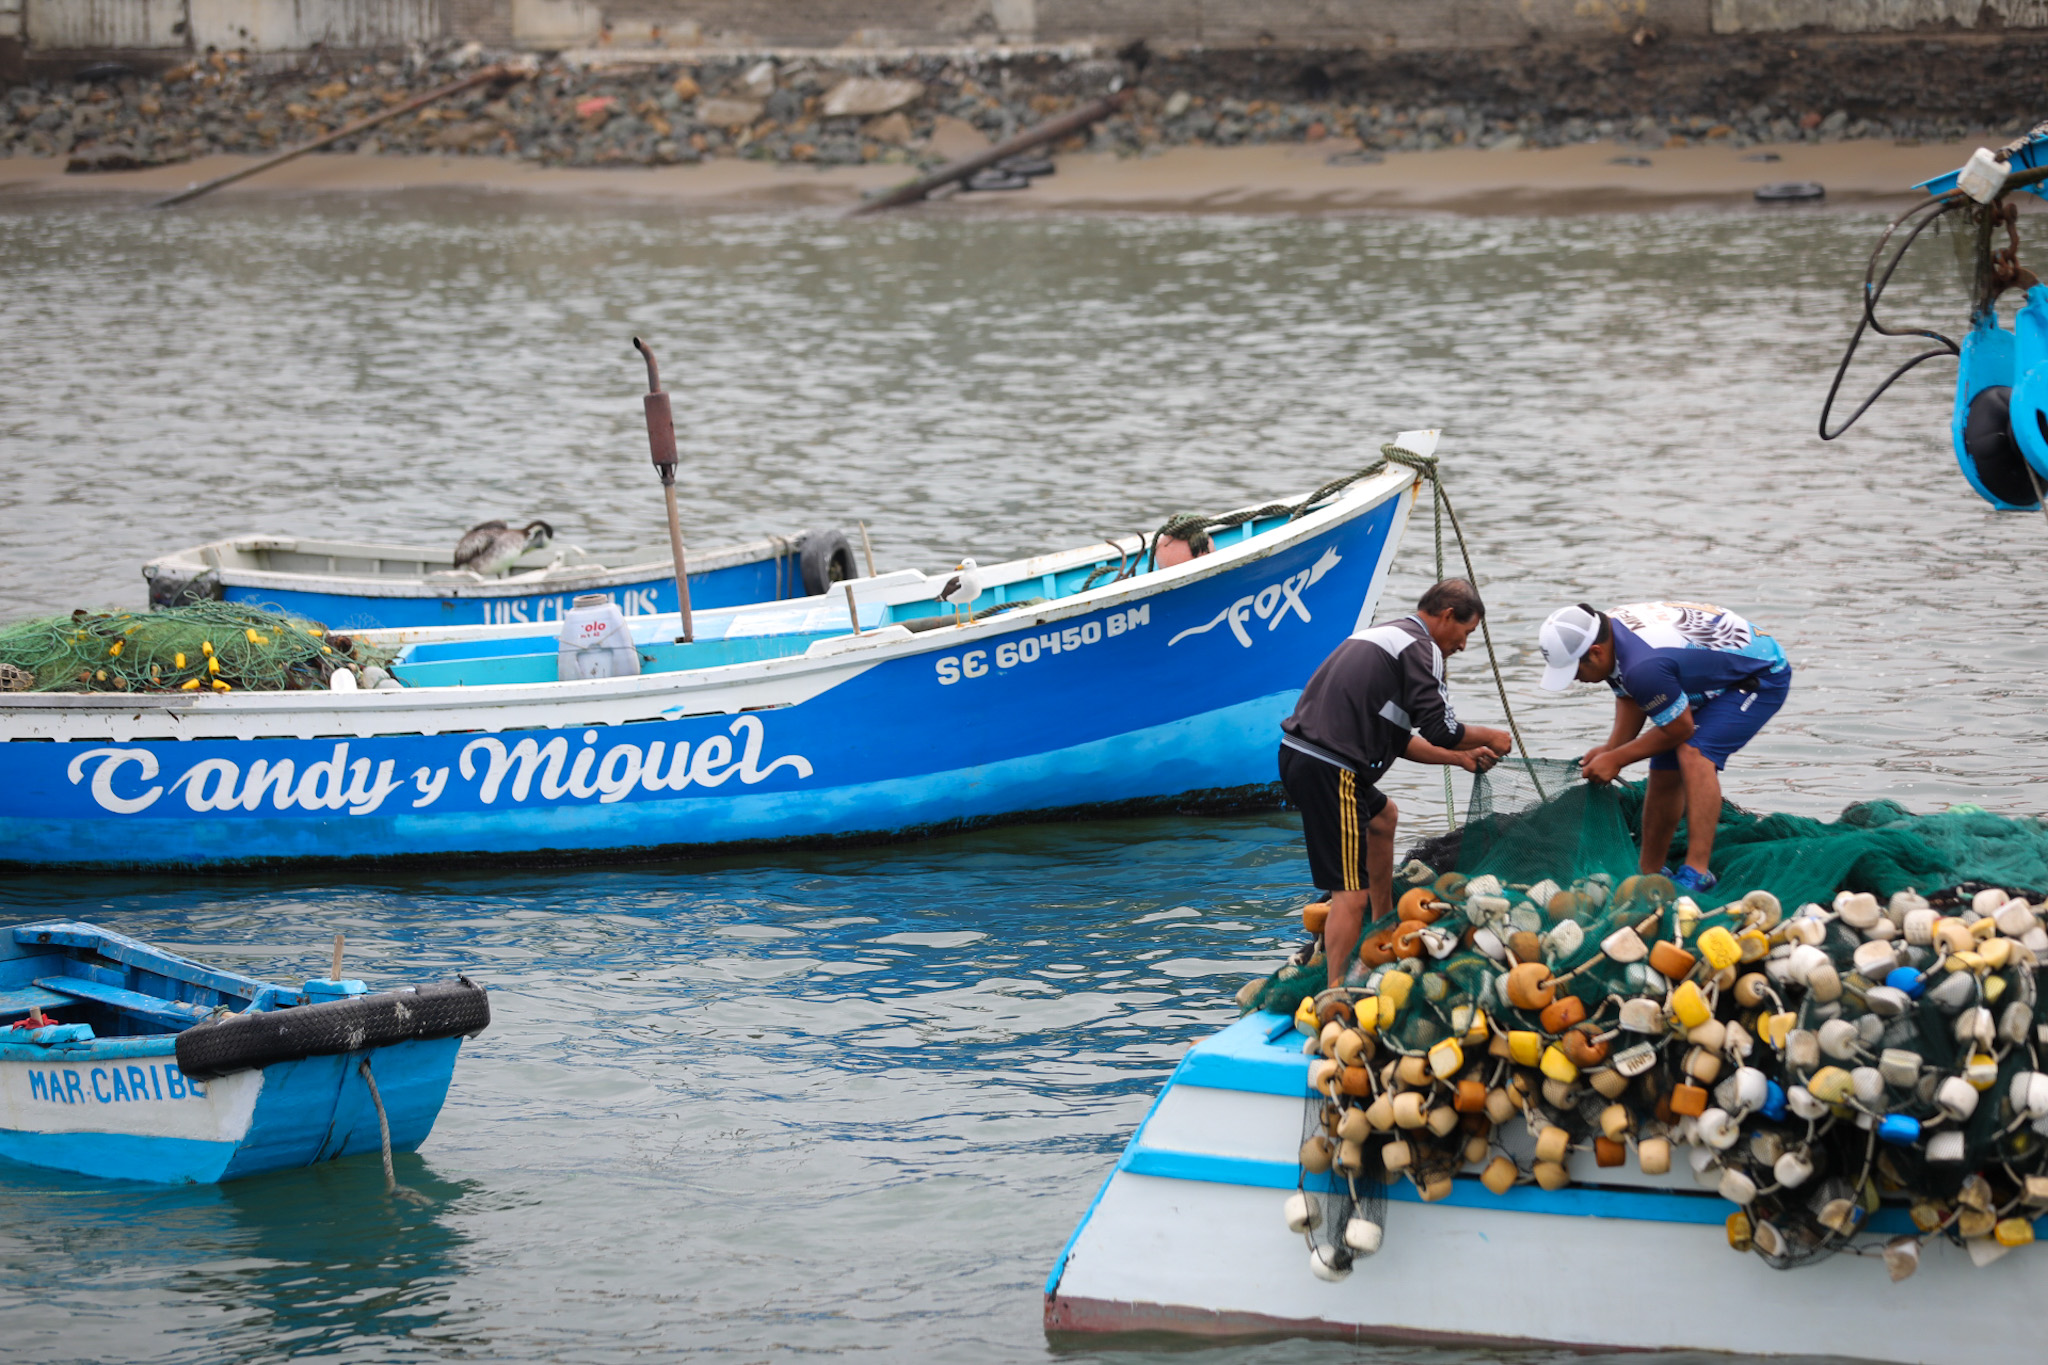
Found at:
(594, 642)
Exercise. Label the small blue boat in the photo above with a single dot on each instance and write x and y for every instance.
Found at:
(361, 585)
(1085, 681)
(121, 1060)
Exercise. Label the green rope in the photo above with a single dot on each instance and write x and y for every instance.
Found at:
(1426, 466)
(1197, 529)
(1436, 503)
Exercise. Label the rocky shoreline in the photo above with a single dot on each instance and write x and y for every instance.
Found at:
(668, 108)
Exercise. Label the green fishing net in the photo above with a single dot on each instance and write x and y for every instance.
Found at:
(1528, 821)
(207, 646)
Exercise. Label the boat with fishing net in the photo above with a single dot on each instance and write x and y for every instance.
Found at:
(1095, 680)
(1563, 1105)
(364, 585)
(122, 1060)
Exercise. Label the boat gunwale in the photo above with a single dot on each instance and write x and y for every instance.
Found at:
(528, 583)
(392, 707)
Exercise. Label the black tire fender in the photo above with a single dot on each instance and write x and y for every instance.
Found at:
(242, 1042)
(1988, 439)
(825, 558)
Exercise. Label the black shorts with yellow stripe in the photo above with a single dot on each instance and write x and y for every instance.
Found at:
(1336, 804)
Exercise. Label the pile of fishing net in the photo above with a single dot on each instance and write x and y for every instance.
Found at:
(207, 646)
(1818, 1039)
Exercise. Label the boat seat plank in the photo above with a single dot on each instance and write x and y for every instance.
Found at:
(18, 1002)
(175, 1013)
(135, 953)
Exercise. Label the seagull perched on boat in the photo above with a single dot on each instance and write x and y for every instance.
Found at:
(490, 547)
(961, 589)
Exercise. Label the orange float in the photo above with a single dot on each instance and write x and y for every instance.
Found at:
(1563, 1012)
(1418, 905)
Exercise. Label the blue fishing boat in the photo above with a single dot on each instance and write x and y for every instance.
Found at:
(121, 1060)
(1088, 680)
(363, 585)
(1998, 423)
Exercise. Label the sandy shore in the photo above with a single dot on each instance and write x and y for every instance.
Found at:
(1260, 179)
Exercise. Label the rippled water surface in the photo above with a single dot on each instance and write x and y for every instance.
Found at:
(853, 1102)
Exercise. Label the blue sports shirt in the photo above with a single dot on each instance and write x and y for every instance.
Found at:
(1671, 655)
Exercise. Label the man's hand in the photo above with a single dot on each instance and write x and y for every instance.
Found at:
(1600, 766)
(1499, 741)
(1475, 760)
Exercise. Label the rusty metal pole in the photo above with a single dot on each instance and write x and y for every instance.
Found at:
(489, 73)
(661, 443)
(1031, 137)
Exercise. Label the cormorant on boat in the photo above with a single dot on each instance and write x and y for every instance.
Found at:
(489, 548)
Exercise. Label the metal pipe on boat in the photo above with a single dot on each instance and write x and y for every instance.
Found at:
(865, 548)
(661, 443)
(852, 608)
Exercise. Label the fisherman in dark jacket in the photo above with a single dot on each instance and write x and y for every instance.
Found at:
(1378, 697)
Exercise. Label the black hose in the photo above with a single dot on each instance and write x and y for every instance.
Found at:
(1874, 285)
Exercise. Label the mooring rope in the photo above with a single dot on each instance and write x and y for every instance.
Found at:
(1426, 465)
(391, 1185)
(1197, 530)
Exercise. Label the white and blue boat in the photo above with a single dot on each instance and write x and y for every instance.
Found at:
(363, 585)
(121, 1060)
(1087, 681)
(1188, 1235)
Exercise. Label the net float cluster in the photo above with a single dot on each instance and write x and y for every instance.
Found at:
(1809, 1067)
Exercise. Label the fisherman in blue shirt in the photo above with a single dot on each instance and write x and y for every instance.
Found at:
(1703, 678)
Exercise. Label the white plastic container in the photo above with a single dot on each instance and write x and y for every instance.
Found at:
(594, 641)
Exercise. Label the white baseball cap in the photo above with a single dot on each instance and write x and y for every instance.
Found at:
(1565, 638)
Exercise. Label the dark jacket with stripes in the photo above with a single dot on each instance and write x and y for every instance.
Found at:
(1374, 691)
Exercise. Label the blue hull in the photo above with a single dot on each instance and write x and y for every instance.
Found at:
(735, 585)
(1157, 697)
(309, 1111)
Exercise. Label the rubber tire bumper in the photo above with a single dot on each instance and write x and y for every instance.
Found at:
(1993, 448)
(243, 1042)
(825, 559)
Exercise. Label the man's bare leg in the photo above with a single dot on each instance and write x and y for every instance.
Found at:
(1379, 859)
(1702, 805)
(1340, 931)
(1662, 803)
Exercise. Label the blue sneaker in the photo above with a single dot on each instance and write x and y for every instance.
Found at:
(1688, 880)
